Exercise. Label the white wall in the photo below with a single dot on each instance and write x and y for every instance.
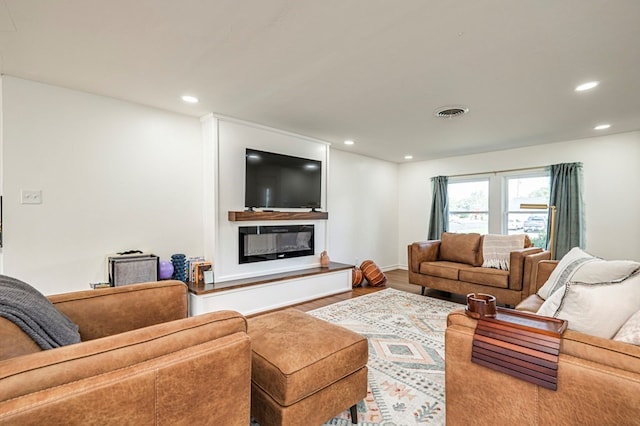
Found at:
(118, 176)
(611, 170)
(114, 176)
(363, 197)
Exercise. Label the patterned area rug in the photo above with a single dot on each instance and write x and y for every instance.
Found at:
(406, 356)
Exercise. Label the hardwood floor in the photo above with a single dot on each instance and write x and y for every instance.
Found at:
(397, 279)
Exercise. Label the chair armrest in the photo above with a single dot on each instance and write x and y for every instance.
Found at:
(55, 367)
(422, 251)
(517, 266)
(109, 311)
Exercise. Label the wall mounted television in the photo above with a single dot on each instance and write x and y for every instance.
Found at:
(275, 181)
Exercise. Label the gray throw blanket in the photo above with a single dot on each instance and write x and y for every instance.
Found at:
(30, 310)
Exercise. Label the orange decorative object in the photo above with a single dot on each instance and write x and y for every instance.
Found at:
(375, 277)
(324, 259)
(357, 277)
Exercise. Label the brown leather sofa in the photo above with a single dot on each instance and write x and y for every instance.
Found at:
(141, 361)
(453, 264)
(598, 379)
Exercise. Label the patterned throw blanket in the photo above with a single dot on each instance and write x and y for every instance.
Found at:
(27, 308)
(496, 249)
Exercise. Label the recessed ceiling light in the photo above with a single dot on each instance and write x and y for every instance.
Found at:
(408, 157)
(602, 127)
(190, 99)
(587, 86)
(349, 142)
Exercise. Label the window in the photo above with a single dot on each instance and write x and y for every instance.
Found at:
(491, 204)
(469, 206)
(527, 189)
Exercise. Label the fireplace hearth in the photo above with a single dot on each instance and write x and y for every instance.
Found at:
(263, 243)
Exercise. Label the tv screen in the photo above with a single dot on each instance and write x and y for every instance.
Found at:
(281, 181)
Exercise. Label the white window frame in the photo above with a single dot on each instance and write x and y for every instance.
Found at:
(498, 194)
(468, 179)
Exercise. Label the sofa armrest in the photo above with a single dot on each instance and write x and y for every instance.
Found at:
(55, 367)
(543, 271)
(517, 266)
(531, 265)
(422, 251)
(114, 310)
(208, 382)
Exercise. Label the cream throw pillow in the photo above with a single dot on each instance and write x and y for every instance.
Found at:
(580, 266)
(595, 309)
(630, 330)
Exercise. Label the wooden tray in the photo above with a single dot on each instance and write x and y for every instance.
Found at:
(529, 322)
(523, 345)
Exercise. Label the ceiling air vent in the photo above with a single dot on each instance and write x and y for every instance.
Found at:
(451, 111)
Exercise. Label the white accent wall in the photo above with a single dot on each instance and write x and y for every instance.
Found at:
(611, 171)
(232, 139)
(114, 176)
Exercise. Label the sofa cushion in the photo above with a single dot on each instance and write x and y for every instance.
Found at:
(463, 248)
(630, 330)
(448, 270)
(595, 309)
(485, 276)
(580, 266)
(531, 304)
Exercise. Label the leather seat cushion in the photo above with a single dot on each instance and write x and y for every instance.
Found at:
(295, 354)
(486, 276)
(531, 304)
(443, 269)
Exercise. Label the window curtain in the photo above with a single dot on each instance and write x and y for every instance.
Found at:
(566, 195)
(439, 218)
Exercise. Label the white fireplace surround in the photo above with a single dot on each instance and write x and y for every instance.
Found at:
(229, 139)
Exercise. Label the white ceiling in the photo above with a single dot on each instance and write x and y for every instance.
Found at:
(369, 70)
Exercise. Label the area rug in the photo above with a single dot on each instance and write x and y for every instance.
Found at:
(406, 356)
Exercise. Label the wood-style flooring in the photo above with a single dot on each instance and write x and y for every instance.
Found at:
(397, 279)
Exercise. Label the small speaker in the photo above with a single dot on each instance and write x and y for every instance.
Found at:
(131, 269)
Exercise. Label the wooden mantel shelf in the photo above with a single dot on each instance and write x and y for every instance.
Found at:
(276, 215)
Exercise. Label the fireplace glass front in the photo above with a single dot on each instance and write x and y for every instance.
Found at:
(261, 243)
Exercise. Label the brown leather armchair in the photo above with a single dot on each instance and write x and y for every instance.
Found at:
(141, 361)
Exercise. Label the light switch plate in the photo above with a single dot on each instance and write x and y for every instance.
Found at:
(31, 196)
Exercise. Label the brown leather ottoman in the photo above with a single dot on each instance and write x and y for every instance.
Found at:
(304, 370)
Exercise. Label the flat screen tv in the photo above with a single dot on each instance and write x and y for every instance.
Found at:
(275, 181)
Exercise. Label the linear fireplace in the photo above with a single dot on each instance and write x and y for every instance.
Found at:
(261, 243)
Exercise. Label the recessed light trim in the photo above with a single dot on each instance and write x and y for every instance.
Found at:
(603, 126)
(408, 157)
(190, 99)
(587, 86)
(349, 142)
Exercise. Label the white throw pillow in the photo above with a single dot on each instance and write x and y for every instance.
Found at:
(630, 330)
(579, 266)
(595, 309)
